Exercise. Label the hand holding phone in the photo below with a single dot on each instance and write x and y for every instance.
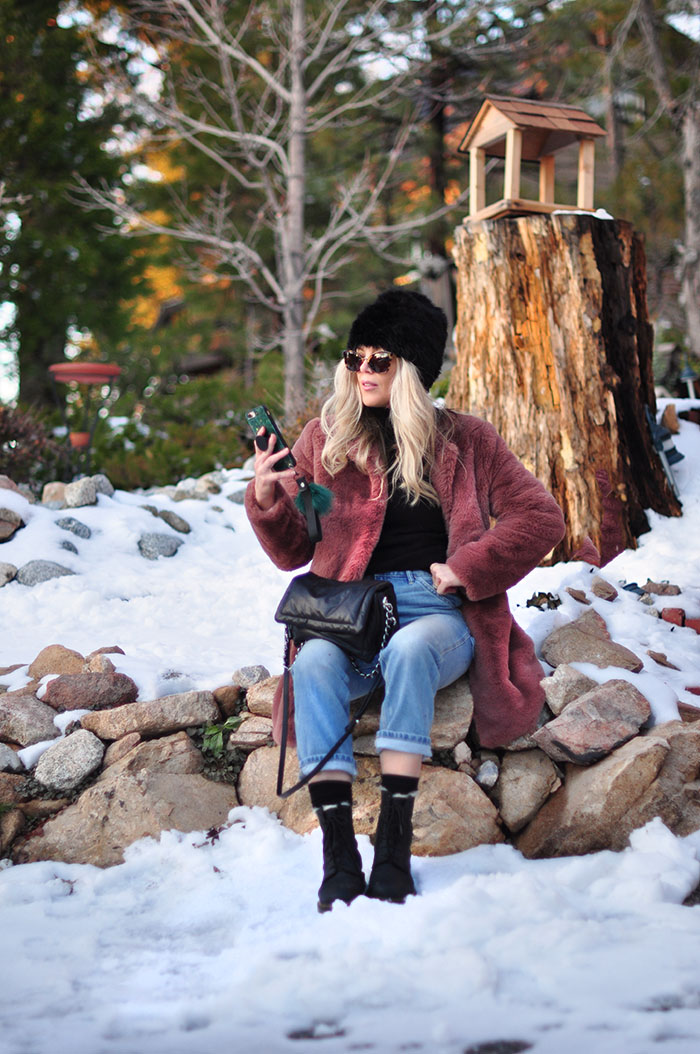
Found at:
(260, 417)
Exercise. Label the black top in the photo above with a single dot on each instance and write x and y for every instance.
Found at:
(413, 536)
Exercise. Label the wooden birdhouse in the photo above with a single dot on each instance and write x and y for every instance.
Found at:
(522, 130)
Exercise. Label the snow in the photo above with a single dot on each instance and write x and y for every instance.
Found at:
(199, 944)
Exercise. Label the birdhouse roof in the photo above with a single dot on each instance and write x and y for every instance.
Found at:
(546, 126)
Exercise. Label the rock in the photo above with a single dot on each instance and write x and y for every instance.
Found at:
(603, 589)
(527, 779)
(565, 685)
(65, 765)
(257, 786)
(260, 695)
(578, 594)
(10, 783)
(660, 658)
(174, 754)
(37, 571)
(7, 484)
(10, 523)
(56, 659)
(209, 483)
(173, 520)
(662, 589)
(247, 676)
(586, 639)
(81, 492)
(7, 573)
(54, 494)
(9, 762)
(364, 745)
(237, 497)
(454, 709)
(589, 811)
(452, 814)
(99, 664)
(113, 649)
(674, 795)
(12, 824)
(169, 714)
(187, 493)
(90, 691)
(24, 720)
(462, 754)
(669, 419)
(487, 774)
(595, 723)
(153, 545)
(228, 698)
(69, 547)
(40, 808)
(116, 750)
(252, 733)
(102, 484)
(69, 523)
(123, 808)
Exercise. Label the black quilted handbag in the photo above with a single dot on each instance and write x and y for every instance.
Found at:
(357, 616)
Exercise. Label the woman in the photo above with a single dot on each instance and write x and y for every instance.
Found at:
(434, 502)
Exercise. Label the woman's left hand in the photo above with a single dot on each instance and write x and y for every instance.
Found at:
(444, 579)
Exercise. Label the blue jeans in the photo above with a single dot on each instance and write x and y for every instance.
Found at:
(432, 648)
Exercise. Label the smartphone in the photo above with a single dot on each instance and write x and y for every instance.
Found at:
(260, 417)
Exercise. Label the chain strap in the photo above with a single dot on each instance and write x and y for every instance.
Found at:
(389, 623)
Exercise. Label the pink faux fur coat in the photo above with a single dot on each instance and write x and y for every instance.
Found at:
(500, 523)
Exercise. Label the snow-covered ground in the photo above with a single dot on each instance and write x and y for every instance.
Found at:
(194, 946)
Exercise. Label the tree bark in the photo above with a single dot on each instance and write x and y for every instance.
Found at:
(554, 347)
(690, 282)
(34, 359)
(293, 228)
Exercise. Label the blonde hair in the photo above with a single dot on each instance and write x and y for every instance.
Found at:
(414, 419)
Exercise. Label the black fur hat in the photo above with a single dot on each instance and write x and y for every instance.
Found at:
(408, 325)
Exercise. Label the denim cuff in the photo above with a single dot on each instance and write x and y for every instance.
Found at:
(407, 744)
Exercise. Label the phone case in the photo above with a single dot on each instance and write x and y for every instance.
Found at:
(260, 417)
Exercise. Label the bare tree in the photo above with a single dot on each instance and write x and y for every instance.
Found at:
(683, 109)
(266, 85)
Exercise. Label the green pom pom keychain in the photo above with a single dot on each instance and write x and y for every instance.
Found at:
(321, 497)
(313, 500)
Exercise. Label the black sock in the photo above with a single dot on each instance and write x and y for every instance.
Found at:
(330, 792)
(403, 785)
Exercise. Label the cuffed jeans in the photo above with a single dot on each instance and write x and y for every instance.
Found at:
(432, 648)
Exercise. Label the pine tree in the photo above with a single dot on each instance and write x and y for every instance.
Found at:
(61, 267)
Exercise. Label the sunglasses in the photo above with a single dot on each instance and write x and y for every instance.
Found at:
(377, 362)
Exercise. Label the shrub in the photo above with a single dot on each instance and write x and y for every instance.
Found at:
(28, 451)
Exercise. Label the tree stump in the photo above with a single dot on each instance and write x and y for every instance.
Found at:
(554, 347)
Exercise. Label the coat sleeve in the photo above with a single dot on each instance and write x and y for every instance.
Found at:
(281, 529)
(528, 523)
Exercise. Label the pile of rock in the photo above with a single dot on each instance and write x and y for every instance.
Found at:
(125, 768)
(592, 772)
(83, 492)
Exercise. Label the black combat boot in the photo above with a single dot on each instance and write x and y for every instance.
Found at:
(343, 878)
(391, 877)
